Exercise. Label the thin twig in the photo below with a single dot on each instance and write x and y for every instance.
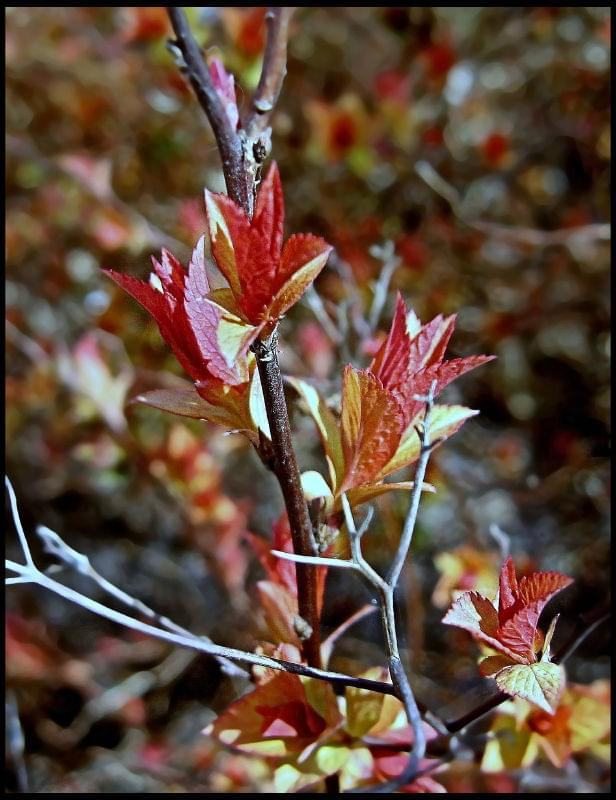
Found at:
(399, 678)
(273, 71)
(15, 742)
(387, 255)
(313, 298)
(18, 526)
(30, 573)
(55, 545)
(194, 642)
(316, 561)
(420, 473)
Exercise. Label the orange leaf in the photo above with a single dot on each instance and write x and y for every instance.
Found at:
(371, 424)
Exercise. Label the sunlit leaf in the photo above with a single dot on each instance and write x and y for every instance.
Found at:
(363, 708)
(444, 422)
(541, 683)
(281, 611)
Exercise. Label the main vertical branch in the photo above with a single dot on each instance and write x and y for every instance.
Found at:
(237, 164)
(287, 472)
(239, 187)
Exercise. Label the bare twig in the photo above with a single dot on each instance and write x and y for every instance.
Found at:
(273, 71)
(387, 255)
(399, 678)
(420, 473)
(317, 307)
(55, 545)
(30, 573)
(15, 742)
(19, 527)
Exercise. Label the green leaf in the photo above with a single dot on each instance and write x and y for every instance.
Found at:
(541, 683)
(444, 422)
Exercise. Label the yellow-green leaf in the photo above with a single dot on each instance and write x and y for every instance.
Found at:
(541, 683)
(444, 421)
(362, 494)
(363, 710)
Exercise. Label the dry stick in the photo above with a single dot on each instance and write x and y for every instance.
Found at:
(56, 546)
(239, 178)
(30, 573)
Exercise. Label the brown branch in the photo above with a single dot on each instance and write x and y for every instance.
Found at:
(273, 71)
(239, 167)
(229, 143)
(287, 472)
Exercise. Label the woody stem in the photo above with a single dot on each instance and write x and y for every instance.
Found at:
(288, 475)
(240, 186)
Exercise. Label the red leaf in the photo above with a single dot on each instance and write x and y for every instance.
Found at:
(518, 632)
(540, 587)
(278, 570)
(172, 324)
(391, 364)
(268, 218)
(513, 631)
(277, 718)
(508, 589)
(265, 278)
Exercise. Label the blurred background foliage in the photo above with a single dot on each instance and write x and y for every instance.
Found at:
(477, 142)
